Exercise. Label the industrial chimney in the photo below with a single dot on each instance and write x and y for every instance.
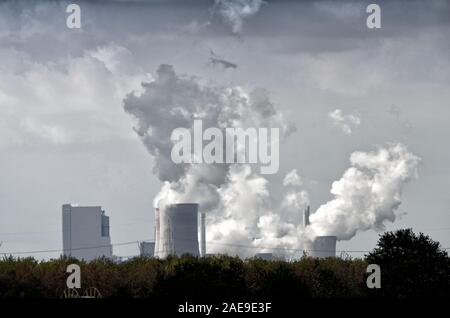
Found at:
(306, 216)
(177, 230)
(202, 235)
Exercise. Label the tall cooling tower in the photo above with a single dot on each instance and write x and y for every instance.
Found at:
(321, 247)
(178, 230)
(156, 232)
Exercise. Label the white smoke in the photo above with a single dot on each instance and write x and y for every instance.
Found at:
(292, 179)
(347, 123)
(368, 194)
(236, 198)
(173, 101)
(235, 12)
(246, 222)
(243, 218)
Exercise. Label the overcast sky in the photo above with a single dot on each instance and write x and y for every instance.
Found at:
(65, 137)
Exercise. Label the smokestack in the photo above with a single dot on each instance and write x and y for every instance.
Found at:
(202, 235)
(306, 216)
(178, 230)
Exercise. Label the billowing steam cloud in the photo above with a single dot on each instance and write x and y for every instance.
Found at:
(368, 194)
(246, 222)
(234, 12)
(243, 218)
(235, 197)
(173, 101)
(347, 123)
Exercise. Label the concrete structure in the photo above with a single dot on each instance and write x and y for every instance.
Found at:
(176, 226)
(202, 234)
(147, 249)
(156, 232)
(306, 216)
(321, 246)
(85, 232)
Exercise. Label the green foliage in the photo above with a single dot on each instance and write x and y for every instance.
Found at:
(200, 278)
(411, 266)
(333, 277)
(187, 277)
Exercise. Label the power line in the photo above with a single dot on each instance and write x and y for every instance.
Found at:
(243, 246)
(146, 221)
(72, 249)
(84, 227)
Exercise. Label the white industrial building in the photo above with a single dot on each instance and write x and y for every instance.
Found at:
(85, 232)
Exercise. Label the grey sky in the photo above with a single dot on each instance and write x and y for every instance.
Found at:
(64, 136)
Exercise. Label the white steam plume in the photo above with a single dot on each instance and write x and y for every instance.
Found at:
(173, 101)
(237, 199)
(235, 12)
(246, 222)
(243, 218)
(368, 194)
(347, 123)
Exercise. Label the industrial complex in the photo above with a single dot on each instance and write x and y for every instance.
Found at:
(320, 246)
(178, 229)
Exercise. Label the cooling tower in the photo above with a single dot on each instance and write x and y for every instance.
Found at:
(156, 232)
(321, 247)
(178, 230)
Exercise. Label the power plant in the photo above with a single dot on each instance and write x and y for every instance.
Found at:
(321, 246)
(176, 233)
(176, 230)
